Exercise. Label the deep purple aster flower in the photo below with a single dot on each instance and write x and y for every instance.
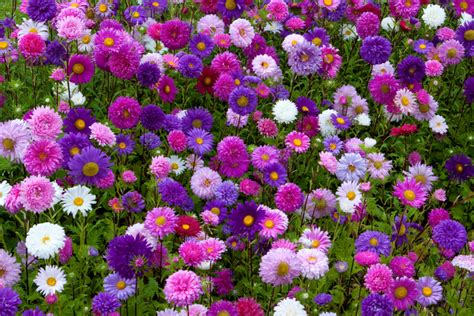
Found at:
(459, 167)
(173, 193)
(217, 207)
(41, 10)
(307, 106)
(72, 144)
(227, 192)
(377, 304)
(125, 144)
(150, 141)
(148, 74)
(317, 36)
(80, 69)
(450, 234)
(175, 34)
(190, 66)
(275, 174)
(422, 46)
(89, 166)
(172, 122)
(375, 49)
(105, 303)
(340, 121)
(133, 202)
(152, 117)
(305, 59)
(231, 9)
(465, 35)
(55, 53)
(156, 6)
(128, 256)
(400, 230)
(411, 69)
(201, 45)
(323, 299)
(243, 100)
(78, 120)
(222, 307)
(279, 92)
(223, 282)
(374, 241)
(197, 118)
(200, 141)
(244, 220)
(9, 301)
(33, 312)
(135, 14)
(469, 89)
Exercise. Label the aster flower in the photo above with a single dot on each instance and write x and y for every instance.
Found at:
(230, 9)
(187, 226)
(201, 45)
(125, 144)
(78, 120)
(403, 293)
(124, 112)
(410, 192)
(279, 266)
(161, 221)
(232, 153)
(197, 118)
(44, 240)
(243, 100)
(411, 69)
(43, 157)
(192, 252)
(376, 304)
(375, 49)
(50, 280)
(265, 66)
(263, 156)
(285, 111)
(182, 288)
(274, 223)
(78, 199)
(450, 235)
(41, 11)
(119, 287)
(9, 301)
(378, 278)
(289, 306)
(245, 219)
(15, 137)
(133, 202)
(289, 197)
(222, 307)
(10, 268)
(89, 166)
(315, 238)
(351, 167)
(80, 69)
(349, 196)
(305, 59)
(459, 167)
(167, 89)
(297, 141)
(422, 174)
(227, 192)
(105, 303)
(319, 203)
(241, 32)
(36, 194)
(275, 174)
(430, 291)
(148, 74)
(373, 241)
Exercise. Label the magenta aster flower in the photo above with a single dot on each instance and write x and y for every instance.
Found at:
(124, 113)
(410, 193)
(274, 223)
(289, 197)
(175, 34)
(297, 141)
(43, 157)
(80, 69)
(161, 221)
(378, 278)
(403, 293)
(182, 288)
(315, 238)
(192, 252)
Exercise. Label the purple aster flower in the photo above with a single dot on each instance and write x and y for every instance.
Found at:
(333, 144)
(55, 53)
(377, 304)
(465, 35)
(340, 121)
(351, 167)
(222, 307)
(400, 230)
(231, 9)
(305, 59)
(341, 266)
(9, 301)
(307, 106)
(128, 256)
(375, 50)
(152, 117)
(135, 14)
(125, 144)
(243, 100)
(200, 141)
(133, 202)
(172, 122)
(279, 92)
(217, 207)
(244, 220)
(227, 192)
(89, 166)
(190, 66)
(78, 120)
(33, 312)
(150, 141)
(422, 46)
(197, 118)
(459, 167)
(323, 299)
(469, 89)
(105, 303)
(173, 193)
(41, 10)
(446, 271)
(72, 144)
(120, 287)
(450, 234)
(80, 69)
(275, 174)
(157, 7)
(430, 290)
(201, 45)
(148, 74)
(374, 241)
(411, 69)
(403, 293)
(317, 36)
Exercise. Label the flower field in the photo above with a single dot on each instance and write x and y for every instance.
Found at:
(236, 157)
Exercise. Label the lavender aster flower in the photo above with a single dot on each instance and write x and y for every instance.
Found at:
(373, 241)
(227, 192)
(133, 202)
(351, 167)
(105, 303)
(200, 141)
(190, 66)
(305, 59)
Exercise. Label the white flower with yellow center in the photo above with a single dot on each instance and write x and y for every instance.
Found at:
(30, 26)
(5, 188)
(348, 196)
(86, 43)
(348, 32)
(438, 124)
(44, 240)
(78, 199)
(177, 165)
(50, 280)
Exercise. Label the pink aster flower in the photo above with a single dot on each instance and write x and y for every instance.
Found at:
(160, 166)
(241, 33)
(192, 252)
(294, 23)
(267, 128)
(402, 266)
(177, 140)
(279, 266)
(328, 161)
(58, 74)
(128, 176)
(331, 5)
(45, 123)
(13, 202)
(249, 187)
(284, 243)
(226, 62)
(71, 28)
(315, 238)
(31, 46)
(222, 40)
(36, 194)
(366, 258)
(274, 223)
(214, 248)
(107, 181)
(161, 221)
(297, 141)
(439, 195)
(209, 218)
(43, 157)
(378, 278)
(102, 134)
(410, 193)
(182, 288)
(289, 197)
(277, 10)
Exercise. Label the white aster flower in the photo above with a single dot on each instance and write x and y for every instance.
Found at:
(314, 263)
(78, 98)
(464, 262)
(5, 188)
(465, 18)
(204, 182)
(194, 162)
(273, 27)
(325, 123)
(290, 41)
(433, 16)
(363, 119)
(50, 280)
(58, 192)
(348, 32)
(405, 100)
(389, 24)
(438, 124)
(385, 68)
(78, 199)
(44, 240)
(285, 111)
(177, 165)
(348, 196)
(265, 66)
(289, 307)
(86, 42)
(30, 26)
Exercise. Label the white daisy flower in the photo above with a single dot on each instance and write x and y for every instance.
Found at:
(86, 42)
(438, 124)
(348, 32)
(385, 68)
(389, 24)
(177, 165)
(78, 199)
(363, 119)
(273, 27)
(5, 188)
(289, 307)
(30, 26)
(50, 280)
(325, 123)
(44, 240)
(405, 100)
(348, 196)
(290, 41)
(285, 111)
(433, 16)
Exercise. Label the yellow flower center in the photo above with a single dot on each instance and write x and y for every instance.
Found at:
(80, 124)
(283, 269)
(402, 230)
(109, 42)
(3, 44)
(327, 2)
(51, 281)
(234, 244)
(452, 53)
(329, 58)
(294, 42)
(312, 259)
(136, 15)
(242, 101)
(45, 240)
(90, 169)
(248, 220)
(102, 8)
(78, 201)
(351, 195)
(201, 46)
(33, 30)
(351, 168)
(207, 81)
(409, 195)
(427, 291)
(126, 113)
(215, 210)
(155, 4)
(373, 241)
(265, 157)
(274, 175)
(223, 313)
(86, 39)
(408, 3)
(405, 101)
(167, 89)
(463, 5)
(305, 108)
(316, 41)
(43, 156)
(120, 285)
(74, 151)
(2, 272)
(384, 88)
(422, 46)
(420, 178)
(75, 5)
(315, 243)
(78, 69)
(122, 145)
(160, 220)
(199, 141)
(230, 4)
(185, 226)
(269, 223)
(237, 82)
(401, 292)
(469, 35)
(459, 168)
(265, 65)
(8, 144)
(242, 32)
(340, 120)
(424, 108)
(304, 57)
